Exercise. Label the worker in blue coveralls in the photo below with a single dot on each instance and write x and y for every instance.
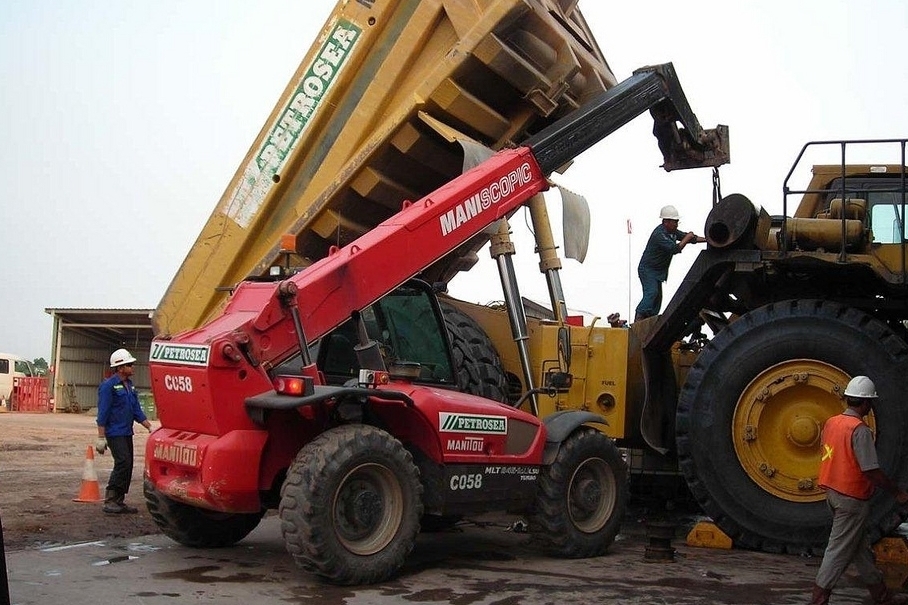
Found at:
(663, 244)
(118, 408)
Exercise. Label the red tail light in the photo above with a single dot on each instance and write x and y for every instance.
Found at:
(291, 385)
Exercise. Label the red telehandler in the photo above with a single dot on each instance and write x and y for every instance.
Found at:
(253, 414)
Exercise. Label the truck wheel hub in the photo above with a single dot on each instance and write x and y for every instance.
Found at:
(364, 509)
(368, 509)
(585, 496)
(591, 493)
(804, 432)
(777, 425)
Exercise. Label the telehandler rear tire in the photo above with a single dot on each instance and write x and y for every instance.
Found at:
(197, 527)
(582, 497)
(751, 411)
(351, 504)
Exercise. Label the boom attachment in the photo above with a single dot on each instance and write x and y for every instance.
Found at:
(655, 88)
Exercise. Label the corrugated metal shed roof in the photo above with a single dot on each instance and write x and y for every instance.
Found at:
(107, 318)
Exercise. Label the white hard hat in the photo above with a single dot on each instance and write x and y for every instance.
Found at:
(861, 387)
(121, 357)
(669, 212)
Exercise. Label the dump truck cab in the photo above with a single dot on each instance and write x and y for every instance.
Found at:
(870, 221)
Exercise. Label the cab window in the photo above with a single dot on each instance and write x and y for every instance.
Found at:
(886, 219)
(408, 329)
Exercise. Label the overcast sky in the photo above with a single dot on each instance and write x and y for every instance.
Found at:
(121, 124)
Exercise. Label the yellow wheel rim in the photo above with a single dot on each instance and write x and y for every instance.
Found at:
(777, 425)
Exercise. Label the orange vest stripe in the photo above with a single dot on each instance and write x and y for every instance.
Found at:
(839, 468)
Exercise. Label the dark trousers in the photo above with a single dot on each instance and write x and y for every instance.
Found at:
(121, 476)
(651, 302)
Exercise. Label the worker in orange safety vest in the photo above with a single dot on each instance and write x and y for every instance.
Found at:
(850, 473)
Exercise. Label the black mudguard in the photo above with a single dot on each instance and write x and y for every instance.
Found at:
(560, 425)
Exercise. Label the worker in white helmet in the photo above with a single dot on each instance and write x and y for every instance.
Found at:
(663, 244)
(850, 473)
(118, 408)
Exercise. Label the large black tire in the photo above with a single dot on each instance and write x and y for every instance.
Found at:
(350, 505)
(751, 411)
(197, 527)
(476, 362)
(582, 497)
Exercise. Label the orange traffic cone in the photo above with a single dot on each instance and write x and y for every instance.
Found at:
(90, 490)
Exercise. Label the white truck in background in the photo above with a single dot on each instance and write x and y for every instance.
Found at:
(12, 366)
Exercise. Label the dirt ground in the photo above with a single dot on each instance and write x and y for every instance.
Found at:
(42, 459)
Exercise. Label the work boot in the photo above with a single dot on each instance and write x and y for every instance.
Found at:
(112, 502)
(820, 596)
(883, 596)
(114, 508)
(125, 508)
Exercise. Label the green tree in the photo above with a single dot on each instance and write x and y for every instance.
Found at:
(40, 366)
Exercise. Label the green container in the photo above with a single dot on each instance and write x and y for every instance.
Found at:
(146, 401)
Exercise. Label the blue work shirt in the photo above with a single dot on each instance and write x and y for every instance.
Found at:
(118, 407)
(657, 256)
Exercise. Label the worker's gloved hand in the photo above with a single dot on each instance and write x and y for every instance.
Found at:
(101, 445)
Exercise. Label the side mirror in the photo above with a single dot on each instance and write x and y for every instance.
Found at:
(559, 381)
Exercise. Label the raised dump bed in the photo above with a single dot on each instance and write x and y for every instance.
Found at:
(372, 117)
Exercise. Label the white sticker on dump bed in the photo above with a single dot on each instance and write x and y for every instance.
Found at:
(289, 125)
(187, 355)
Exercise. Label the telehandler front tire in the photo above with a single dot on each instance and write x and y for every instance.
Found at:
(582, 497)
(351, 504)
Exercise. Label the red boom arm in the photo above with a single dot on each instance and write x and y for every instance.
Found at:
(363, 271)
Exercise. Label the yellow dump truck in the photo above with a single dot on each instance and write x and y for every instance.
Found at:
(362, 126)
(799, 304)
